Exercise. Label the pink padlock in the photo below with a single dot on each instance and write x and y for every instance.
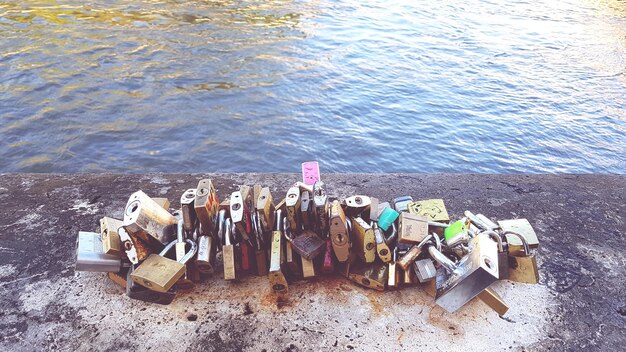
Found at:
(310, 172)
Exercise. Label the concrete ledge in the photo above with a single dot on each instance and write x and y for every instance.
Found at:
(580, 303)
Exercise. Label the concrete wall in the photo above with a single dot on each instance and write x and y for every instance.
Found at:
(580, 302)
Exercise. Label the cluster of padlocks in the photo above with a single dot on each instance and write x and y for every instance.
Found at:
(380, 245)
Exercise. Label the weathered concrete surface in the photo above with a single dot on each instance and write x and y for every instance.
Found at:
(580, 303)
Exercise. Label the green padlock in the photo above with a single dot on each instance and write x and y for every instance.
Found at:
(386, 218)
(456, 228)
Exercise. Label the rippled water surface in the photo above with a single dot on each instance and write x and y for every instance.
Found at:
(361, 86)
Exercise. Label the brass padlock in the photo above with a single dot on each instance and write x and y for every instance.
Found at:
(409, 257)
(291, 257)
(339, 234)
(522, 227)
(141, 293)
(432, 209)
(146, 219)
(373, 275)
(364, 240)
(494, 301)
(162, 202)
(412, 229)
(522, 266)
(278, 282)
(111, 243)
(409, 278)
(292, 203)
(159, 273)
(206, 206)
(382, 249)
(187, 209)
(266, 209)
(308, 268)
(393, 276)
(228, 252)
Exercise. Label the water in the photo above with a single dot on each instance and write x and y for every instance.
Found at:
(361, 86)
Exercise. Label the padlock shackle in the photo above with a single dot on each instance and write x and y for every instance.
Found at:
(522, 238)
(191, 253)
(221, 217)
(179, 231)
(440, 258)
(496, 236)
(278, 219)
(227, 232)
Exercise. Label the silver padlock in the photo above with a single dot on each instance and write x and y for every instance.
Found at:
(470, 276)
(424, 270)
(90, 255)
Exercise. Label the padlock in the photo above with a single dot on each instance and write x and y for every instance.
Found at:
(266, 209)
(119, 278)
(339, 234)
(522, 227)
(480, 221)
(372, 210)
(205, 259)
(306, 211)
(292, 203)
(307, 244)
(372, 275)
(503, 255)
(456, 233)
(260, 252)
(141, 293)
(206, 206)
(424, 270)
(386, 218)
(245, 255)
(162, 202)
(364, 240)
(91, 257)
(136, 250)
(238, 214)
(278, 282)
(432, 209)
(328, 266)
(186, 281)
(256, 192)
(401, 203)
(356, 204)
(393, 280)
(310, 172)
(159, 273)
(291, 257)
(494, 301)
(228, 252)
(321, 208)
(409, 278)
(308, 268)
(111, 243)
(412, 229)
(409, 257)
(220, 230)
(147, 220)
(382, 248)
(188, 210)
(522, 266)
(471, 275)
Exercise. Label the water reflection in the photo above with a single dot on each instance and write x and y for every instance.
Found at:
(135, 86)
